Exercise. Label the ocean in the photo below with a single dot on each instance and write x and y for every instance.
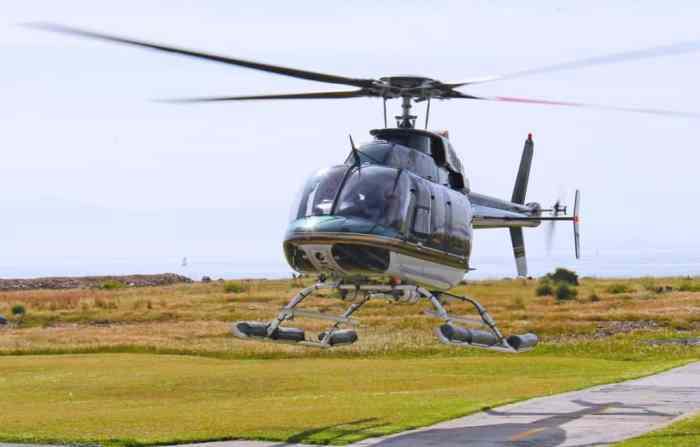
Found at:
(601, 263)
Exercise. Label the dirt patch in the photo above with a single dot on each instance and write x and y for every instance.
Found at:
(92, 282)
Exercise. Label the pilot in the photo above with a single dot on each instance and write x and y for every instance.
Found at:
(392, 213)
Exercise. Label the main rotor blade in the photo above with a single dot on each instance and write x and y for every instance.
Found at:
(277, 69)
(624, 56)
(310, 95)
(455, 94)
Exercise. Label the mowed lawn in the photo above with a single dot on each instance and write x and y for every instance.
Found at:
(684, 433)
(144, 398)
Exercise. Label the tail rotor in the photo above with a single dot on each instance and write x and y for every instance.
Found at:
(577, 231)
(558, 212)
(557, 209)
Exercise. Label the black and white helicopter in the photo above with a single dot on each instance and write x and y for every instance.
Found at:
(396, 219)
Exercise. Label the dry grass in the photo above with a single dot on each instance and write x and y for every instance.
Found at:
(196, 317)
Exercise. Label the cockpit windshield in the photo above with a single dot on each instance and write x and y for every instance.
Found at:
(373, 193)
(377, 194)
(319, 192)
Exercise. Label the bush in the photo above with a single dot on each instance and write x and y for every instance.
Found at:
(544, 289)
(566, 292)
(618, 288)
(689, 286)
(18, 310)
(564, 276)
(111, 284)
(235, 287)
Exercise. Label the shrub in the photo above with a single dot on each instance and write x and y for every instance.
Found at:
(618, 288)
(235, 287)
(111, 284)
(18, 310)
(564, 276)
(544, 289)
(689, 286)
(566, 292)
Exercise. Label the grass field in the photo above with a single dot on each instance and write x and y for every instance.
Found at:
(157, 399)
(120, 380)
(684, 433)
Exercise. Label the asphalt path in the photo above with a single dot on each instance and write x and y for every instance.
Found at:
(596, 416)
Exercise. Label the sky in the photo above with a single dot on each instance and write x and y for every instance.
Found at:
(94, 171)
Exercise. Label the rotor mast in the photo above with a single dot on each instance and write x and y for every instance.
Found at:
(406, 120)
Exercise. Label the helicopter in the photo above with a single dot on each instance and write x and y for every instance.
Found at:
(396, 219)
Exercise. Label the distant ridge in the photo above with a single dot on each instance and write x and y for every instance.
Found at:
(92, 282)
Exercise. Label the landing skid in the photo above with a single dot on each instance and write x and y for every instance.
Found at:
(451, 332)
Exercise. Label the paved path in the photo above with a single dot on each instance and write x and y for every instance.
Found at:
(594, 417)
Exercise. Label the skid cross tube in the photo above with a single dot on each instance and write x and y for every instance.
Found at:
(287, 311)
(290, 311)
(451, 332)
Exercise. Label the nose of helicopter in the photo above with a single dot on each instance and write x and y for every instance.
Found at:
(337, 244)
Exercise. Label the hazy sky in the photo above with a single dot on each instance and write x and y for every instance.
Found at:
(92, 170)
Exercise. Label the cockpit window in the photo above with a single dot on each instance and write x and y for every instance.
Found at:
(375, 193)
(319, 192)
(373, 153)
(414, 141)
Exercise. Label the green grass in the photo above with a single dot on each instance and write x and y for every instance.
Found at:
(147, 399)
(684, 433)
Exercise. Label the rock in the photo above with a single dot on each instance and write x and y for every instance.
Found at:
(206, 279)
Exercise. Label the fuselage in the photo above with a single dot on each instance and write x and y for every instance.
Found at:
(400, 207)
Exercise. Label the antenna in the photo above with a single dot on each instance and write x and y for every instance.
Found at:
(355, 152)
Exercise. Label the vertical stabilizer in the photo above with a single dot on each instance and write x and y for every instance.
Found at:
(519, 192)
(518, 241)
(520, 188)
